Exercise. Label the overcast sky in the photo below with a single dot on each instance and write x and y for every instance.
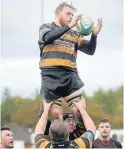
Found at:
(20, 23)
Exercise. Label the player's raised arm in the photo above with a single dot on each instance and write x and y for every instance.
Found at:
(88, 122)
(97, 29)
(41, 125)
(89, 47)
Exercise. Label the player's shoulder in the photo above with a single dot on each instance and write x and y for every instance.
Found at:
(83, 141)
(96, 143)
(45, 25)
(89, 135)
(115, 141)
(41, 141)
(39, 137)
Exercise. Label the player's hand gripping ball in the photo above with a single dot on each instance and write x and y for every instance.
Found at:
(85, 26)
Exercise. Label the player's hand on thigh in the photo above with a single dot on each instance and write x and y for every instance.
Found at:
(47, 105)
(81, 104)
(56, 110)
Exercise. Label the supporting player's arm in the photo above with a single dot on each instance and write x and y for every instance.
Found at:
(88, 122)
(40, 140)
(41, 125)
(87, 137)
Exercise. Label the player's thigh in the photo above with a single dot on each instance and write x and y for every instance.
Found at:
(49, 95)
(75, 96)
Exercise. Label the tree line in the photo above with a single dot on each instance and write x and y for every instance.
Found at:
(24, 111)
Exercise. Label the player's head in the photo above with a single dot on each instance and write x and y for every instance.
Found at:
(69, 121)
(64, 13)
(104, 128)
(7, 140)
(58, 132)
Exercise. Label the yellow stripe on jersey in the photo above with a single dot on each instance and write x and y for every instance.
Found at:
(57, 49)
(90, 141)
(57, 62)
(70, 37)
(75, 38)
(44, 144)
(40, 140)
(80, 143)
(80, 40)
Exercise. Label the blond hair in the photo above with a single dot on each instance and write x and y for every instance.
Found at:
(62, 5)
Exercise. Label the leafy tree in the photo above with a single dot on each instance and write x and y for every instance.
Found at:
(9, 107)
(6, 94)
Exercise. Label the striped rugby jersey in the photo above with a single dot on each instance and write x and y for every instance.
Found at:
(63, 50)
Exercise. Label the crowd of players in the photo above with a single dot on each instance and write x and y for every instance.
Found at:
(71, 132)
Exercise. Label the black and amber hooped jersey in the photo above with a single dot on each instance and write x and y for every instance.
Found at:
(81, 142)
(59, 52)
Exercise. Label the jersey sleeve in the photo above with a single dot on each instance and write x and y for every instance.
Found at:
(89, 135)
(88, 47)
(40, 141)
(85, 140)
(45, 28)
